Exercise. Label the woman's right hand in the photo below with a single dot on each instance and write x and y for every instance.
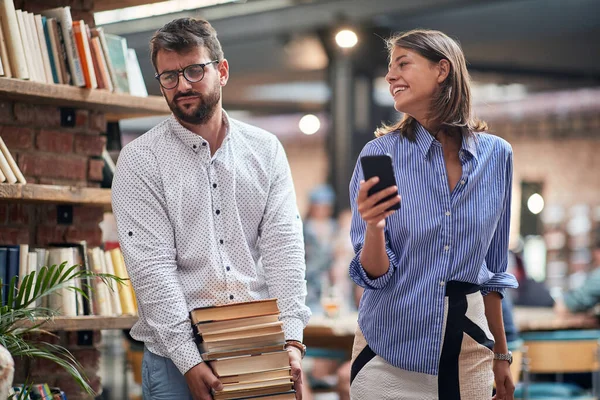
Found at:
(372, 213)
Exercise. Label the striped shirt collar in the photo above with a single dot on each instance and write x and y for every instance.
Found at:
(425, 140)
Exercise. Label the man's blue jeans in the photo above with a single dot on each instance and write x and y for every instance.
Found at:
(161, 380)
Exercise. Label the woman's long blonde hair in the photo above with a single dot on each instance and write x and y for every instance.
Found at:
(451, 107)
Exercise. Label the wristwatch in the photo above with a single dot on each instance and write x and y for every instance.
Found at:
(504, 357)
(299, 345)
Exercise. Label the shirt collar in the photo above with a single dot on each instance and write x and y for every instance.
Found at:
(425, 140)
(194, 141)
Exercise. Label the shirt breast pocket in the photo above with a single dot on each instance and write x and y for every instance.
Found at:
(489, 207)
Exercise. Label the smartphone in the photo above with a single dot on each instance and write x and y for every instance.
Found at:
(380, 166)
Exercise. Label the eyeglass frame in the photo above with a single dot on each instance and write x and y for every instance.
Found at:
(182, 72)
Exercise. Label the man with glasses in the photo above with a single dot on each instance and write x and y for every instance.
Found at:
(206, 215)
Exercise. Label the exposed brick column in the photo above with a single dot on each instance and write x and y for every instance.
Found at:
(48, 153)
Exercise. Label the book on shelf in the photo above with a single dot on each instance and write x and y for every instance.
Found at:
(99, 33)
(19, 260)
(126, 295)
(6, 68)
(45, 55)
(116, 47)
(52, 48)
(9, 167)
(4, 63)
(63, 16)
(137, 87)
(244, 344)
(85, 54)
(14, 43)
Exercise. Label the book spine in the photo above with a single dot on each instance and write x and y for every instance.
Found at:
(14, 44)
(63, 15)
(41, 36)
(7, 72)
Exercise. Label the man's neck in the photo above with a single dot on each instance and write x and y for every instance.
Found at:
(213, 131)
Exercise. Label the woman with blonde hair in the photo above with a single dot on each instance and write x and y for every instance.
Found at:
(434, 271)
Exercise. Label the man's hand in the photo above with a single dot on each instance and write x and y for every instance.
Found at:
(296, 364)
(200, 380)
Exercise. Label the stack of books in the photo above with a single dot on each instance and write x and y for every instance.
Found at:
(244, 345)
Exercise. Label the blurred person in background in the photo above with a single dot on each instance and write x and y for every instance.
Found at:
(320, 233)
(583, 300)
(434, 272)
(530, 292)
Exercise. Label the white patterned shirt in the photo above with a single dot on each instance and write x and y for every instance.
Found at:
(198, 230)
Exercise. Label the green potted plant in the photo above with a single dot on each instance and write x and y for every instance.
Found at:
(21, 317)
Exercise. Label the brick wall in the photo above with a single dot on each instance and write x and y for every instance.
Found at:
(562, 152)
(308, 162)
(50, 153)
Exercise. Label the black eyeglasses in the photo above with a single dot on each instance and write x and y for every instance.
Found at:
(192, 73)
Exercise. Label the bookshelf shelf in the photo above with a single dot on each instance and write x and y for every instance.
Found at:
(116, 106)
(32, 193)
(86, 323)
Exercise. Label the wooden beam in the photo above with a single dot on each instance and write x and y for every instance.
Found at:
(84, 323)
(105, 5)
(71, 96)
(32, 193)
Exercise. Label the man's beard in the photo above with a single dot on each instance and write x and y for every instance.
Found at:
(196, 114)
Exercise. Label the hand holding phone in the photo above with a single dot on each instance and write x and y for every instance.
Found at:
(380, 166)
(378, 195)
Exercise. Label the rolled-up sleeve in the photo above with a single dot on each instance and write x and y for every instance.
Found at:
(282, 248)
(497, 255)
(147, 240)
(357, 234)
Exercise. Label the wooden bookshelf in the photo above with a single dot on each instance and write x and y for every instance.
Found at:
(32, 193)
(105, 5)
(84, 323)
(116, 106)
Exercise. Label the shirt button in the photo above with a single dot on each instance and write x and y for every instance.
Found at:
(203, 143)
(446, 247)
(215, 185)
(194, 146)
(442, 283)
(462, 182)
(218, 212)
(227, 268)
(230, 297)
(447, 213)
(221, 241)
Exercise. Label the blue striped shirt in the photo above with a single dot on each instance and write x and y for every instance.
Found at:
(437, 236)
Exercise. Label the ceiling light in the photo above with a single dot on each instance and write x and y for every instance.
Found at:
(309, 124)
(346, 38)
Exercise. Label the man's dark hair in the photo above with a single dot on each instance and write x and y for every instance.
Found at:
(184, 34)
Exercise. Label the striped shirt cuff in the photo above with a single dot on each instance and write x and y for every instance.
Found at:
(499, 283)
(186, 356)
(485, 290)
(380, 282)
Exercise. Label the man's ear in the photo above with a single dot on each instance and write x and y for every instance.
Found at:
(443, 70)
(223, 67)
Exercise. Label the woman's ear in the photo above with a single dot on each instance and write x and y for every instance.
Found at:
(443, 70)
